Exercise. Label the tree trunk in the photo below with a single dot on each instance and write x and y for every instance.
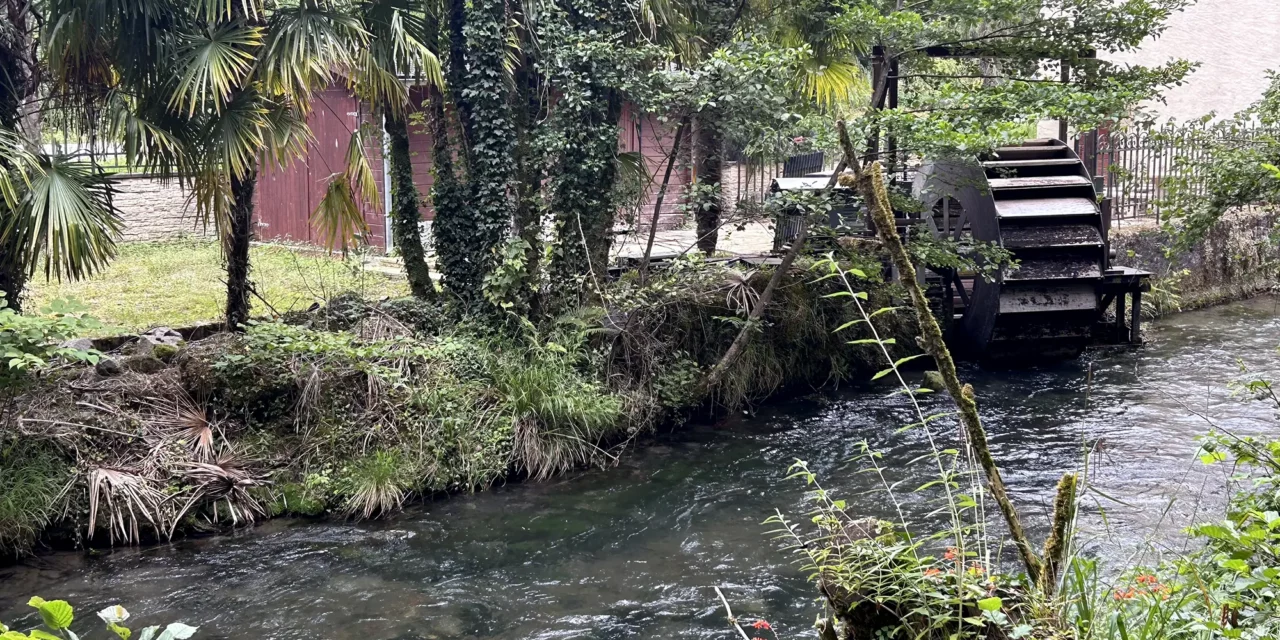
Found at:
(405, 215)
(708, 156)
(237, 249)
(18, 85)
(13, 280)
(528, 186)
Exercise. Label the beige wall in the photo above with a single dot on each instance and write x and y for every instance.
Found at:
(1235, 41)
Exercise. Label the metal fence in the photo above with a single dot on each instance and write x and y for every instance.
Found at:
(749, 178)
(1136, 166)
(110, 156)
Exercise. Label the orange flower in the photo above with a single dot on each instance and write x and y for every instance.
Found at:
(1147, 579)
(951, 553)
(1125, 594)
(931, 572)
(760, 624)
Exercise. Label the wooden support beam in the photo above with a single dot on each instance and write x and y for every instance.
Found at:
(1135, 318)
(1120, 329)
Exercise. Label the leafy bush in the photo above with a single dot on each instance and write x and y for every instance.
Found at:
(30, 342)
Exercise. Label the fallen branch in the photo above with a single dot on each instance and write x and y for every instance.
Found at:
(662, 193)
(733, 622)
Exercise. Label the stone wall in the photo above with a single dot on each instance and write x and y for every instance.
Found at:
(1236, 259)
(154, 210)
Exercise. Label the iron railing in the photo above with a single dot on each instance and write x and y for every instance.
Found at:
(1135, 166)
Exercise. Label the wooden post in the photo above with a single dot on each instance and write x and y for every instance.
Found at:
(1135, 318)
(1062, 122)
(1120, 330)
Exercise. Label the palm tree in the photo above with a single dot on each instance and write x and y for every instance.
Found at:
(204, 91)
(398, 31)
(55, 210)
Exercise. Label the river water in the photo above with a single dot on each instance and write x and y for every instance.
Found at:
(633, 551)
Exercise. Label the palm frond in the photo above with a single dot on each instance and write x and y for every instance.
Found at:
(214, 65)
(223, 485)
(21, 166)
(153, 137)
(214, 11)
(833, 83)
(286, 132)
(306, 44)
(66, 222)
(358, 170)
(338, 217)
(186, 423)
(124, 498)
(396, 49)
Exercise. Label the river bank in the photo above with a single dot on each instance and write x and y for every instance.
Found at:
(634, 549)
(355, 408)
(1237, 258)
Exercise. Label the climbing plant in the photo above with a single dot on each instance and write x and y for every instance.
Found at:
(589, 65)
(468, 235)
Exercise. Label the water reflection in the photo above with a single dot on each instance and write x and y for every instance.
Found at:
(632, 551)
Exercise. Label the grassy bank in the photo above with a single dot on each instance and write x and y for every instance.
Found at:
(357, 407)
(180, 283)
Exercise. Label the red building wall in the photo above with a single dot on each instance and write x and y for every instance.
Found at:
(286, 196)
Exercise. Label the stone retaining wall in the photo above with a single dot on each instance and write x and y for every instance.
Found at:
(1236, 259)
(154, 210)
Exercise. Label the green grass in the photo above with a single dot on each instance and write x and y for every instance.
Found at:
(180, 283)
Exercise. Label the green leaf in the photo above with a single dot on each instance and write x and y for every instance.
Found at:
(39, 634)
(990, 604)
(1212, 457)
(57, 614)
(882, 373)
(177, 631)
(907, 359)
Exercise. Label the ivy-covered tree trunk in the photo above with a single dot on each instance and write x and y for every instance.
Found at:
(708, 153)
(468, 235)
(581, 190)
(529, 173)
(236, 248)
(406, 217)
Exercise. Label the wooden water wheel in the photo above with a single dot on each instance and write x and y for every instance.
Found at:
(1037, 201)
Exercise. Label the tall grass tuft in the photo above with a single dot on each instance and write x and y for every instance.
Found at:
(376, 484)
(31, 481)
(560, 417)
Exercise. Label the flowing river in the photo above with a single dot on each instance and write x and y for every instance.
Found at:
(634, 550)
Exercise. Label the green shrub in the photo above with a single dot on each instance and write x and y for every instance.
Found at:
(29, 342)
(375, 484)
(560, 416)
